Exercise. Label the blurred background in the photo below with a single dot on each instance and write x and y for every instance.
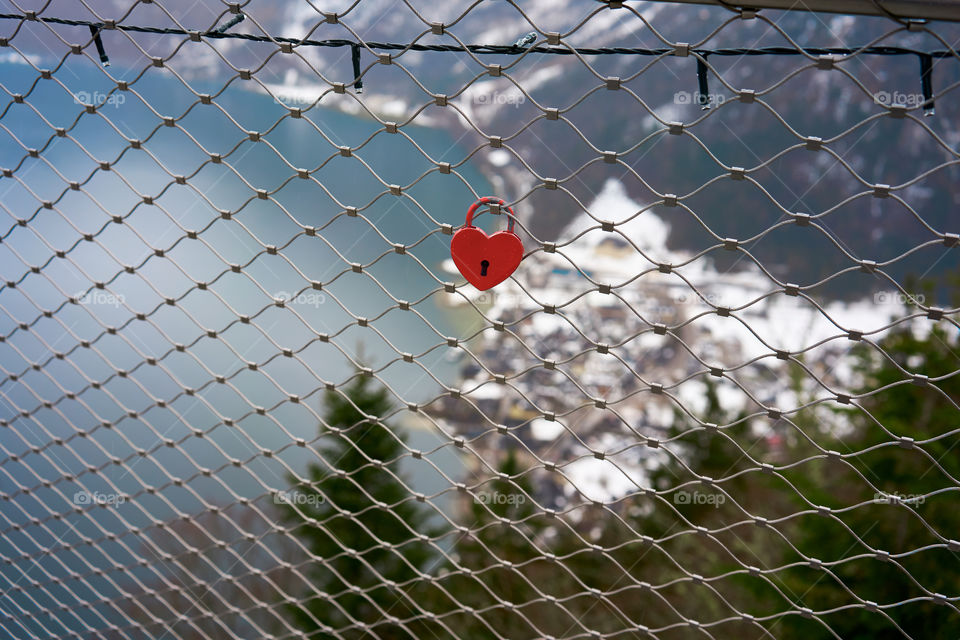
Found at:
(245, 392)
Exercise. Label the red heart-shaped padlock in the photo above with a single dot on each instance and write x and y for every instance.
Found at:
(486, 261)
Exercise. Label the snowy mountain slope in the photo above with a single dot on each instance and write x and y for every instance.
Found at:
(822, 104)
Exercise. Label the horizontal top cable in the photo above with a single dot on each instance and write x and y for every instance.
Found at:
(511, 49)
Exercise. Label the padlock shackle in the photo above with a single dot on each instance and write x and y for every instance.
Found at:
(491, 200)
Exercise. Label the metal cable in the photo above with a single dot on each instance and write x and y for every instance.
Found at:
(154, 419)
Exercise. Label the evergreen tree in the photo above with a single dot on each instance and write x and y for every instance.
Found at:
(922, 470)
(499, 519)
(346, 512)
(728, 453)
(505, 573)
(917, 523)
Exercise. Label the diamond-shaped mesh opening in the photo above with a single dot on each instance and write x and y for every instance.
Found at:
(245, 394)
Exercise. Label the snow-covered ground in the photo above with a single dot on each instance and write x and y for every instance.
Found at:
(762, 320)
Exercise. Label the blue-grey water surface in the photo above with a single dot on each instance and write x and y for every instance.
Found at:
(121, 416)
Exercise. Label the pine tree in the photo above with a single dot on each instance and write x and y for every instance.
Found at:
(499, 519)
(904, 443)
(927, 414)
(717, 453)
(346, 512)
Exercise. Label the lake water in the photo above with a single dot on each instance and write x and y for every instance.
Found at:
(257, 225)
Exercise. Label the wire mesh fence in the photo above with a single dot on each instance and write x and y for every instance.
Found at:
(245, 394)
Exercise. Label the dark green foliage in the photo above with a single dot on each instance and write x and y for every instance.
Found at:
(547, 566)
(367, 506)
(491, 543)
(922, 413)
(905, 410)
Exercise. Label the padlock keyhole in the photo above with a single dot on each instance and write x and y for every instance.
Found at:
(484, 265)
